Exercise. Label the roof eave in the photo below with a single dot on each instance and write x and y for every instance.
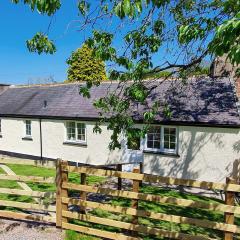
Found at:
(165, 122)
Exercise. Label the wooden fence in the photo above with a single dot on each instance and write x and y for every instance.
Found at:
(133, 230)
(64, 213)
(46, 212)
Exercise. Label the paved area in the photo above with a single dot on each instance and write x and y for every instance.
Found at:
(17, 230)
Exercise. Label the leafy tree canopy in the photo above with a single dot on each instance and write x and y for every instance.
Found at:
(153, 36)
(85, 66)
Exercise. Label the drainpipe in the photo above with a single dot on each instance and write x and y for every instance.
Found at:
(40, 130)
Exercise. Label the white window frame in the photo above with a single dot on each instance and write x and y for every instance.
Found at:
(76, 132)
(165, 150)
(146, 140)
(162, 149)
(25, 128)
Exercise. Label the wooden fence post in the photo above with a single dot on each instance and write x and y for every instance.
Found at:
(119, 168)
(236, 170)
(58, 194)
(83, 195)
(136, 185)
(141, 171)
(61, 176)
(229, 217)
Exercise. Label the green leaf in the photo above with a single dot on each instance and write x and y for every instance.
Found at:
(127, 6)
(84, 91)
(48, 7)
(97, 128)
(119, 10)
(83, 7)
(41, 44)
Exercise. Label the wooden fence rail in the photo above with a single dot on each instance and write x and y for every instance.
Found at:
(228, 227)
(25, 216)
(34, 179)
(154, 179)
(20, 192)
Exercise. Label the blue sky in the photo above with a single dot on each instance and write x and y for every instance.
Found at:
(18, 23)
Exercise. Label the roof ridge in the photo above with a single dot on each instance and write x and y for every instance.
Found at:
(44, 85)
(103, 82)
(58, 84)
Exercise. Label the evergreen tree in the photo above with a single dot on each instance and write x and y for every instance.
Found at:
(83, 66)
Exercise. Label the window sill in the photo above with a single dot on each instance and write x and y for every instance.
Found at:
(27, 138)
(75, 143)
(161, 153)
(129, 149)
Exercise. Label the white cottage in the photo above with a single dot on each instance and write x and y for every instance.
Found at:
(201, 140)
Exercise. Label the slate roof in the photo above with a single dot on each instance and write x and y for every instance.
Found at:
(203, 101)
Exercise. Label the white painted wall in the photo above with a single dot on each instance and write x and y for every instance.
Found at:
(96, 151)
(204, 153)
(13, 130)
(53, 138)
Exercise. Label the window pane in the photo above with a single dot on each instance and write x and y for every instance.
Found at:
(170, 138)
(172, 145)
(150, 136)
(71, 124)
(166, 131)
(157, 137)
(150, 144)
(156, 144)
(166, 144)
(154, 137)
(155, 130)
(71, 131)
(28, 128)
(172, 131)
(81, 131)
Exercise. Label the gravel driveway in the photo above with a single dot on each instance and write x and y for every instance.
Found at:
(16, 230)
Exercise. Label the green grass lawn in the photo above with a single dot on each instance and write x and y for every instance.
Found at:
(150, 206)
(71, 235)
(36, 171)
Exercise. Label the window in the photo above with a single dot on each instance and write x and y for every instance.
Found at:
(169, 136)
(28, 128)
(133, 139)
(0, 127)
(162, 139)
(76, 131)
(81, 132)
(154, 137)
(71, 131)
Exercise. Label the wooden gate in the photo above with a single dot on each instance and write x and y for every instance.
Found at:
(131, 228)
(39, 207)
